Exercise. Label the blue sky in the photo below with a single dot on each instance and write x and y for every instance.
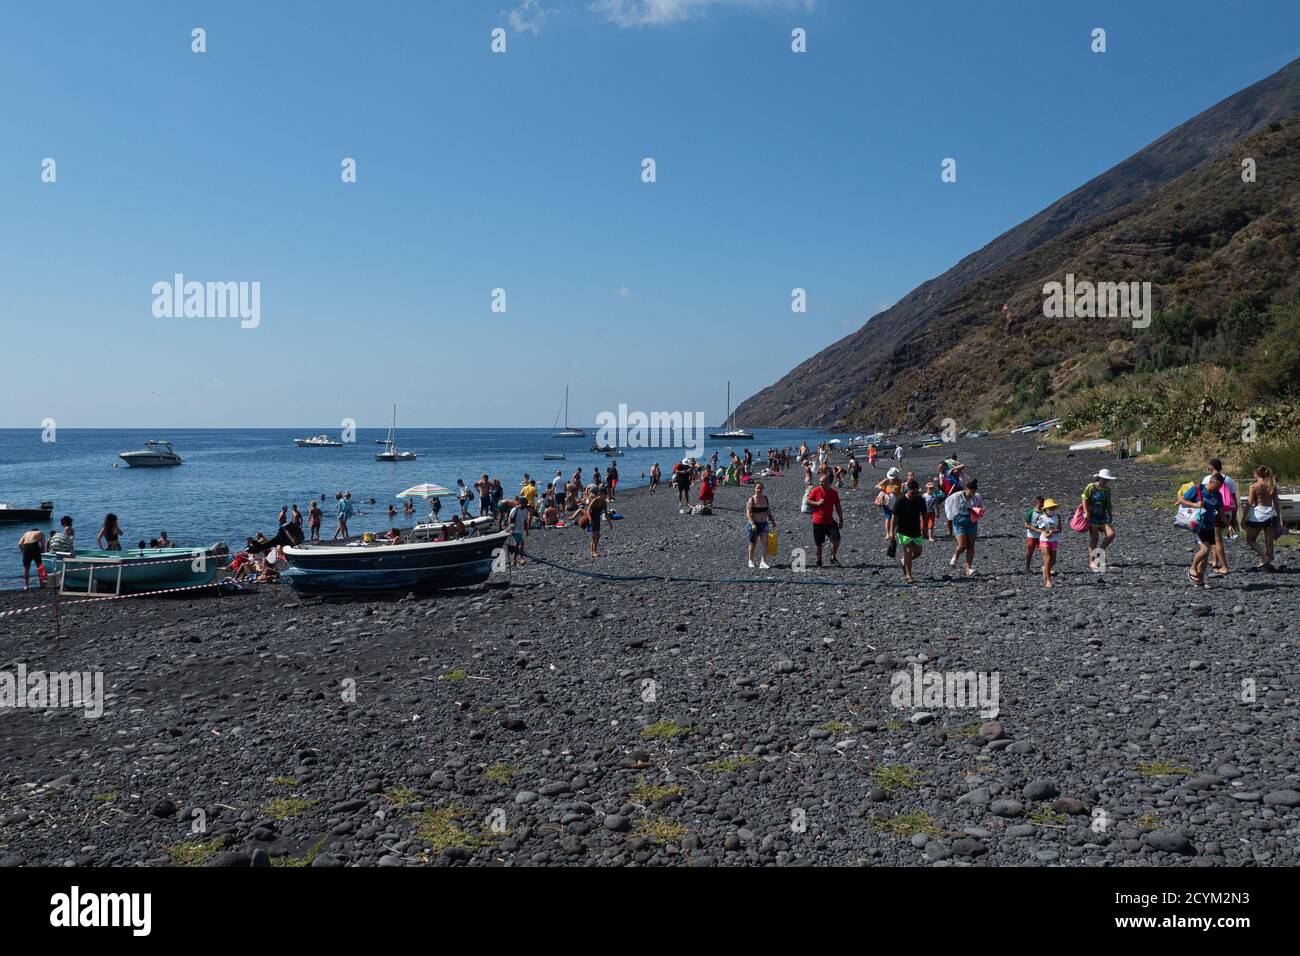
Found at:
(522, 171)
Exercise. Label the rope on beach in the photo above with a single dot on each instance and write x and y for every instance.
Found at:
(678, 579)
(107, 597)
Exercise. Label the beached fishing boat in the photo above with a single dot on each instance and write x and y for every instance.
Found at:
(1290, 509)
(157, 453)
(96, 571)
(361, 567)
(568, 431)
(11, 515)
(733, 433)
(1095, 444)
(429, 530)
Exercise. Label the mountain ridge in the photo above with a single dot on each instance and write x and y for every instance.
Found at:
(830, 388)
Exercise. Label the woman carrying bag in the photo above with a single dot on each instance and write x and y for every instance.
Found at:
(758, 511)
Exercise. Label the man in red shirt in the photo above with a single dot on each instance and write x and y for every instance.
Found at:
(826, 508)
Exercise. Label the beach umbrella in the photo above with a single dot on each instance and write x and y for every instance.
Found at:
(426, 490)
(833, 441)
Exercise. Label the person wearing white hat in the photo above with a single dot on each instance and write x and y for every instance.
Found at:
(887, 492)
(1101, 519)
(682, 482)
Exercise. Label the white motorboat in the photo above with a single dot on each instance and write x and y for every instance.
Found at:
(319, 441)
(157, 453)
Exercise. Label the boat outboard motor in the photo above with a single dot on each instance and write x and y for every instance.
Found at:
(289, 534)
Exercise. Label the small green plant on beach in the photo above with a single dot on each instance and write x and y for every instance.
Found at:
(286, 808)
(661, 830)
(304, 860)
(1046, 816)
(401, 796)
(1147, 821)
(453, 677)
(907, 825)
(665, 730)
(647, 793)
(891, 725)
(502, 772)
(728, 764)
(107, 796)
(440, 830)
(194, 852)
(1159, 768)
(836, 726)
(285, 782)
(971, 731)
(897, 776)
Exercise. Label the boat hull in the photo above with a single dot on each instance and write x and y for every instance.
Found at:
(140, 570)
(148, 461)
(378, 568)
(25, 515)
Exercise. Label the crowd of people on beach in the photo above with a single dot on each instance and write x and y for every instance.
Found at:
(909, 506)
(1212, 509)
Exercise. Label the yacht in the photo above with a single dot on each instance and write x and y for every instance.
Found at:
(391, 453)
(157, 453)
(733, 433)
(568, 431)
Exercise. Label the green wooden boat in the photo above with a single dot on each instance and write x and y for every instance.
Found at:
(133, 569)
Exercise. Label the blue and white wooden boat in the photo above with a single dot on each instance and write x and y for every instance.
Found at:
(358, 566)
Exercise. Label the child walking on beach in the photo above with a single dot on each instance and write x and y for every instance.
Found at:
(1032, 533)
(1049, 528)
(931, 499)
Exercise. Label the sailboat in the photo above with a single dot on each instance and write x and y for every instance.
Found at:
(568, 431)
(391, 453)
(733, 432)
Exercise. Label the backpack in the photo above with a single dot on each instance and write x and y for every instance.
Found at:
(806, 507)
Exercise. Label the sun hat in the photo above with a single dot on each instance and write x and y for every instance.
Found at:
(1050, 503)
(893, 473)
(1105, 473)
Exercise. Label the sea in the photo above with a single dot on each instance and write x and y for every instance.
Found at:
(234, 481)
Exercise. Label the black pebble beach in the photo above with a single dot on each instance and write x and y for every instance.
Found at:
(552, 717)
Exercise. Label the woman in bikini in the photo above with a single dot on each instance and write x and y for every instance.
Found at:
(759, 513)
(110, 535)
(1260, 512)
